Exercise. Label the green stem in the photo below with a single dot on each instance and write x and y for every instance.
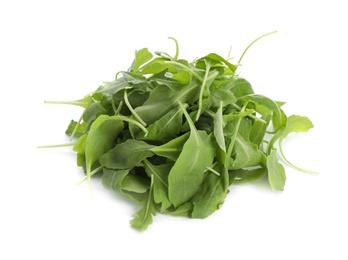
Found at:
(56, 145)
(96, 170)
(129, 120)
(176, 48)
(77, 124)
(291, 164)
(71, 102)
(247, 48)
(131, 108)
(200, 100)
(119, 108)
(213, 171)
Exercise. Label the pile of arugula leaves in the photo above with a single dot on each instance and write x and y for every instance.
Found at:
(174, 135)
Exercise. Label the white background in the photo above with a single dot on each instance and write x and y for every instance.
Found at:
(62, 50)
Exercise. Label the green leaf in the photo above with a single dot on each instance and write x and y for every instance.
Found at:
(247, 175)
(80, 129)
(160, 184)
(135, 183)
(173, 148)
(222, 95)
(156, 66)
(112, 179)
(258, 129)
(276, 172)
(113, 87)
(277, 116)
(246, 154)
(141, 57)
(182, 210)
(126, 155)
(216, 60)
(187, 173)
(211, 195)
(80, 149)
(241, 87)
(219, 134)
(143, 218)
(166, 128)
(100, 139)
(296, 124)
(162, 99)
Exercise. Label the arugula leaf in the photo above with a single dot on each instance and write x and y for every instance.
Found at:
(100, 139)
(246, 154)
(126, 155)
(211, 195)
(247, 175)
(160, 182)
(143, 218)
(142, 56)
(173, 148)
(187, 173)
(276, 172)
(166, 128)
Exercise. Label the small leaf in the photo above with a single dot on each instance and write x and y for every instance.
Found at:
(143, 218)
(160, 184)
(80, 130)
(211, 194)
(247, 175)
(276, 172)
(141, 57)
(246, 154)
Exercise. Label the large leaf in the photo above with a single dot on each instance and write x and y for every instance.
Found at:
(187, 173)
(100, 139)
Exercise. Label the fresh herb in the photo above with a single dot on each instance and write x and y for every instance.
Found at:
(175, 135)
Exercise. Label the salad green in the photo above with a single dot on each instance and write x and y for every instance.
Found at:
(175, 135)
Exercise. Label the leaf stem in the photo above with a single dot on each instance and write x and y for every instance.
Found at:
(56, 145)
(129, 120)
(290, 163)
(213, 171)
(131, 108)
(247, 48)
(176, 48)
(70, 102)
(200, 100)
(96, 170)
